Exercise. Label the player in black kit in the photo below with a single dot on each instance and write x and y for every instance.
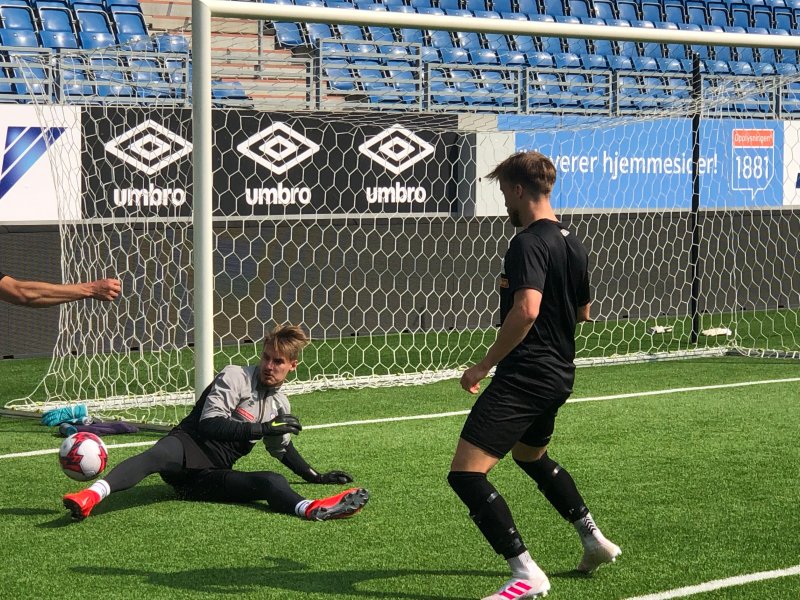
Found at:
(241, 406)
(544, 293)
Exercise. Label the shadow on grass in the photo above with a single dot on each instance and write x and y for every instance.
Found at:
(28, 512)
(286, 575)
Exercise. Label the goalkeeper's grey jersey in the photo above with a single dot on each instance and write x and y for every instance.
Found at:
(238, 394)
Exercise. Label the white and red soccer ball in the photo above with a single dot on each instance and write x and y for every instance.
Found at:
(83, 456)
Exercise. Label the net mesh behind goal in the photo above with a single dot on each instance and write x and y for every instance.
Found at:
(377, 231)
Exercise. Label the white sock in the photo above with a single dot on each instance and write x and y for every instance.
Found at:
(301, 507)
(588, 530)
(523, 566)
(101, 487)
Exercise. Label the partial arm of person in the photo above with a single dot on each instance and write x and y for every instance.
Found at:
(584, 312)
(292, 459)
(516, 326)
(39, 294)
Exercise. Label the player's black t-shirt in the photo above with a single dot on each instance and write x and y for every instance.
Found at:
(2, 274)
(546, 257)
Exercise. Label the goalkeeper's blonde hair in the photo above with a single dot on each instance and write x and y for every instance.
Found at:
(286, 340)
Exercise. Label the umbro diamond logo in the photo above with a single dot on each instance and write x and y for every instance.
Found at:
(396, 149)
(149, 147)
(278, 148)
(24, 146)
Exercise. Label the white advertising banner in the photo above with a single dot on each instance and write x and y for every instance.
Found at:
(27, 178)
(791, 164)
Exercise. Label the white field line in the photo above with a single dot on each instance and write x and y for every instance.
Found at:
(720, 584)
(464, 412)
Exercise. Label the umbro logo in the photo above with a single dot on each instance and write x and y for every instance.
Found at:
(278, 148)
(396, 149)
(149, 147)
(24, 146)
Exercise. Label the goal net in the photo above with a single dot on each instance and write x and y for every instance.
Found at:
(349, 196)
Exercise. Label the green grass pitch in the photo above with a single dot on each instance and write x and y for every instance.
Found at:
(694, 486)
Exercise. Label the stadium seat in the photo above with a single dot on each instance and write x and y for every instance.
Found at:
(696, 13)
(74, 78)
(19, 38)
(512, 57)
(579, 8)
(28, 68)
(109, 78)
(440, 89)
(457, 56)
(628, 10)
(17, 17)
(674, 11)
(651, 11)
(58, 40)
(288, 35)
(55, 18)
(553, 7)
(527, 7)
(469, 40)
(337, 76)
(318, 31)
(501, 6)
(784, 55)
(147, 78)
(355, 41)
(740, 15)
(722, 52)
(227, 90)
(92, 19)
(473, 5)
(544, 88)
(483, 56)
(604, 9)
(95, 40)
(402, 75)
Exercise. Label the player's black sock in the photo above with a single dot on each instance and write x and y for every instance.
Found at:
(557, 486)
(489, 511)
(166, 456)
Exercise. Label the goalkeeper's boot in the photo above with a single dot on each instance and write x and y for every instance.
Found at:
(80, 504)
(597, 551)
(340, 506)
(516, 587)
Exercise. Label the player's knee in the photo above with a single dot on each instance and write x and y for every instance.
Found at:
(542, 471)
(273, 480)
(463, 482)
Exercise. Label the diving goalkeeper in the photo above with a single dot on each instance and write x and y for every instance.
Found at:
(241, 406)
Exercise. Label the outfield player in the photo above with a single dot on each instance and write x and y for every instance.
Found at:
(241, 406)
(544, 292)
(39, 294)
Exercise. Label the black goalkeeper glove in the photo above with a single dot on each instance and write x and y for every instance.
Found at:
(333, 477)
(281, 425)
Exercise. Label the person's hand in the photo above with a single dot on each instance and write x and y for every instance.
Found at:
(281, 425)
(334, 477)
(470, 380)
(105, 289)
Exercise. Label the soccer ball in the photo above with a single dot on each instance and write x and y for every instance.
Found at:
(82, 456)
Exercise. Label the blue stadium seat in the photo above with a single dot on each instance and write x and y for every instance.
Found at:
(109, 79)
(604, 9)
(171, 43)
(94, 40)
(58, 40)
(337, 76)
(762, 16)
(147, 77)
(457, 56)
(483, 56)
(512, 57)
(130, 4)
(440, 39)
(722, 52)
(696, 12)
(501, 6)
(651, 11)
(318, 31)
(92, 18)
(354, 39)
(702, 50)
(405, 82)
(528, 7)
(580, 8)
(449, 4)
(783, 55)
(430, 55)
(553, 7)
(628, 10)
(222, 89)
(288, 35)
(17, 17)
(440, 88)
(544, 88)
(487, 14)
(718, 14)
(55, 18)
(783, 19)
(468, 40)
(20, 38)
(74, 77)
(467, 83)
(740, 15)
(674, 11)
(474, 5)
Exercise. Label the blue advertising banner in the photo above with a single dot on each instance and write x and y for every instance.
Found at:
(607, 164)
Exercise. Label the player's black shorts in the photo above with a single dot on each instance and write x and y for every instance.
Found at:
(509, 411)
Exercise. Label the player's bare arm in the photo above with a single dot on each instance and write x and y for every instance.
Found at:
(40, 294)
(512, 332)
(585, 312)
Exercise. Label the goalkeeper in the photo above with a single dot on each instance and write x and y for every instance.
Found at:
(241, 406)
